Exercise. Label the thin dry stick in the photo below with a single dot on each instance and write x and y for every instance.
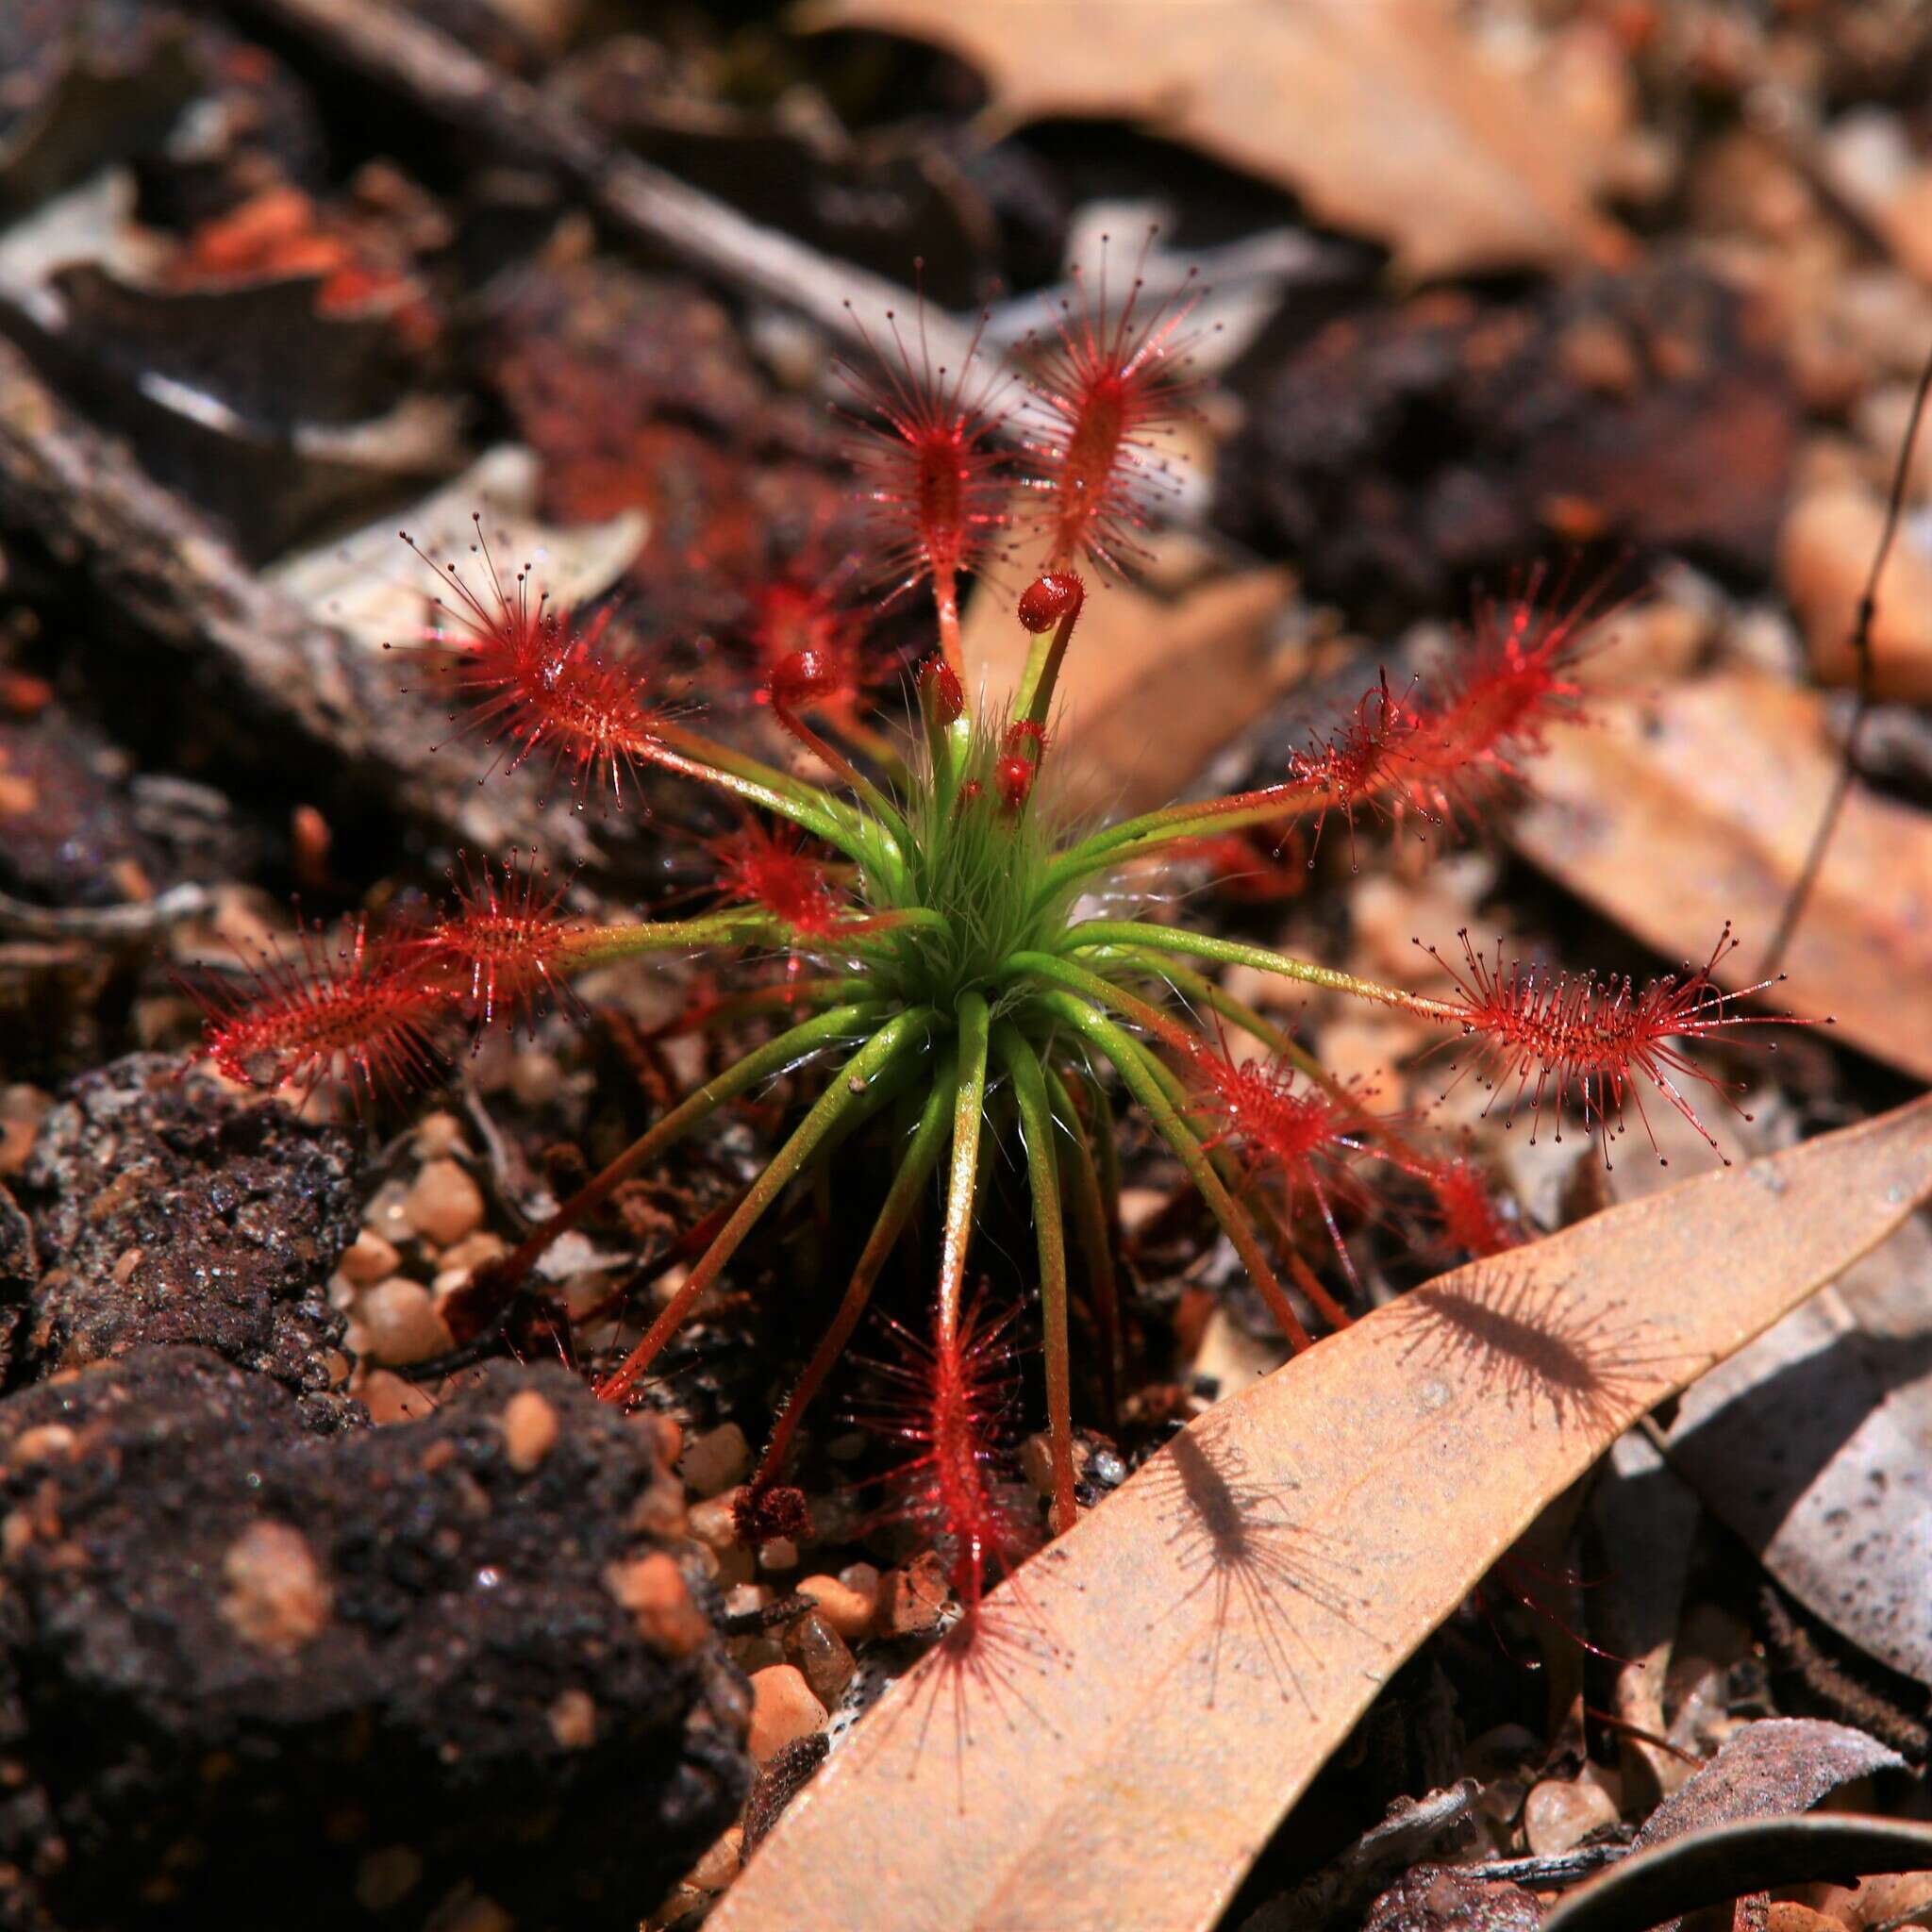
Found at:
(445, 82)
(1862, 647)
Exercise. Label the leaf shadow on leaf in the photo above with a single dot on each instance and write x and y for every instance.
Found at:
(1511, 1335)
(1249, 1557)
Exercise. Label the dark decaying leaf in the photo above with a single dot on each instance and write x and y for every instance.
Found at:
(1726, 1861)
(1335, 1896)
(1778, 1767)
(263, 348)
(1441, 1898)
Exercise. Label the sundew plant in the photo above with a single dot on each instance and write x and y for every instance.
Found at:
(945, 957)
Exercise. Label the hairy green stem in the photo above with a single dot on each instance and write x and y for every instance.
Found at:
(817, 811)
(914, 1170)
(790, 1047)
(1163, 939)
(803, 994)
(1240, 1185)
(1042, 1173)
(1092, 1229)
(1137, 1068)
(1190, 818)
(1197, 986)
(599, 945)
(969, 1108)
(848, 1091)
(874, 801)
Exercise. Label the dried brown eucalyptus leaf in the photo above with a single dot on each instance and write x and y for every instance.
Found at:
(1155, 1689)
(1378, 114)
(1728, 776)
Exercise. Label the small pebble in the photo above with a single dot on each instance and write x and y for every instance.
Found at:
(21, 1110)
(1560, 1813)
(439, 1134)
(574, 1719)
(460, 1261)
(668, 1435)
(385, 1879)
(715, 1523)
(444, 1203)
(658, 1510)
(912, 1600)
(530, 1431)
(277, 1598)
(536, 1079)
(819, 1652)
(713, 1461)
(782, 1710)
(387, 1214)
(755, 1652)
(369, 1258)
(583, 1292)
(475, 1914)
(400, 1324)
(654, 1590)
(719, 1866)
(742, 1599)
(778, 1555)
(846, 1611)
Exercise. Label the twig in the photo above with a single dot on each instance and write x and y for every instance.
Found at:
(139, 919)
(1552, 1872)
(159, 569)
(1861, 646)
(444, 81)
(1276, 254)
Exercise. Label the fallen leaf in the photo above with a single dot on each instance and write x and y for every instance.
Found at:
(1151, 683)
(1830, 536)
(1711, 1867)
(1675, 814)
(1441, 1898)
(1810, 1444)
(1377, 114)
(1776, 1766)
(367, 585)
(1161, 1684)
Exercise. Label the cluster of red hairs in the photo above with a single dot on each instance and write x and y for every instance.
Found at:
(527, 680)
(363, 1011)
(1538, 1036)
(1437, 759)
(953, 459)
(371, 1008)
